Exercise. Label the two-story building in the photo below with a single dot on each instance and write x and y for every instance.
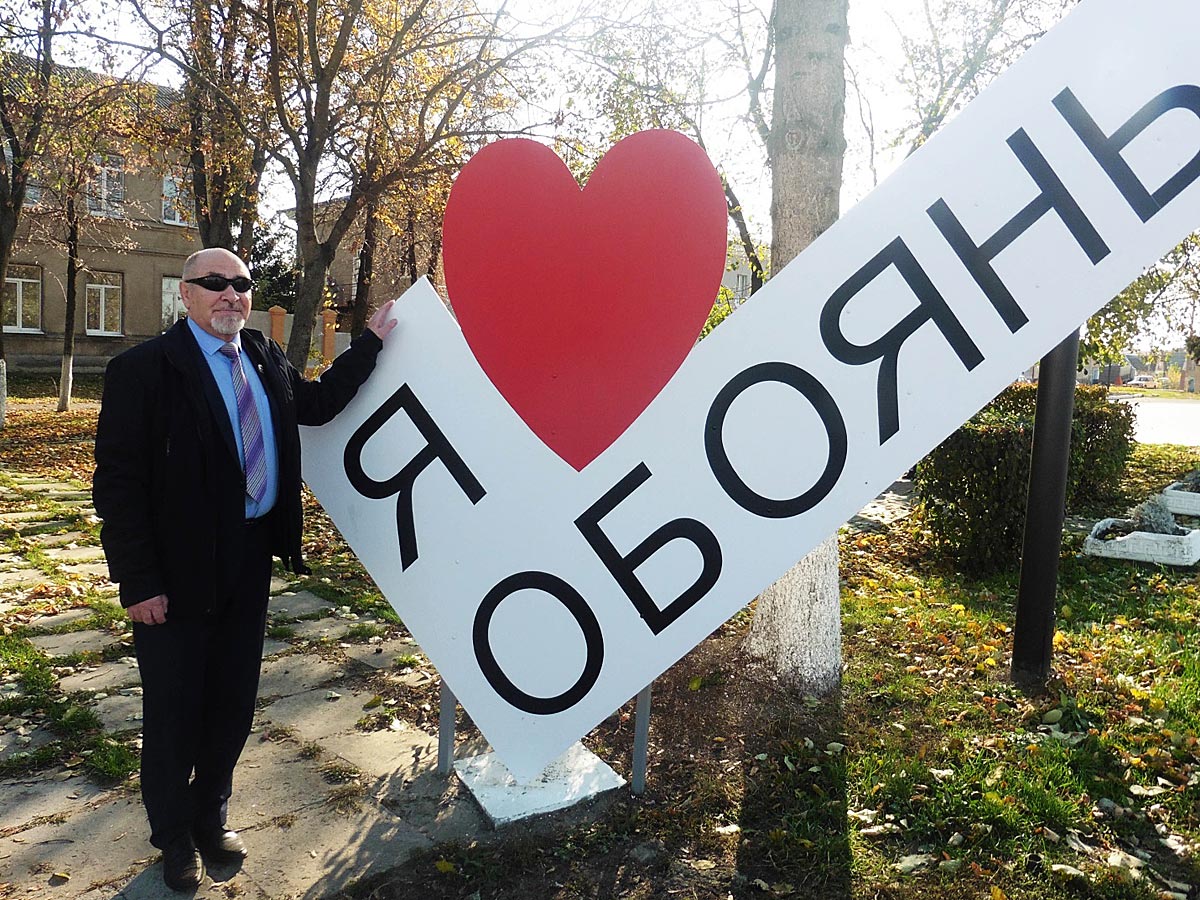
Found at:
(133, 242)
(134, 234)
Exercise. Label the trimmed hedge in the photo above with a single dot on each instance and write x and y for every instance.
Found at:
(973, 487)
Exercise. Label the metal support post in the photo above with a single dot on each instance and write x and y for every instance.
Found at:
(447, 709)
(1033, 632)
(641, 740)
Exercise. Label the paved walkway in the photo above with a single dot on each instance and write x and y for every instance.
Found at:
(320, 800)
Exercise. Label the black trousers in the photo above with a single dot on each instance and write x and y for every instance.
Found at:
(199, 685)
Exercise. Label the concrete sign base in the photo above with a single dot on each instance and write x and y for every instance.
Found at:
(574, 777)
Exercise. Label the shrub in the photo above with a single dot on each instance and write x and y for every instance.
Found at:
(1153, 516)
(973, 486)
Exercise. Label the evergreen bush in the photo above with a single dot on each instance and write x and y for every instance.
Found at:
(973, 486)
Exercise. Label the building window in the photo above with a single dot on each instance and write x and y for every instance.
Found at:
(106, 190)
(104, 303)
(742, 285)
(354, 278)
(176, 200)
(22, 302)
(33, 190)
(172, 302)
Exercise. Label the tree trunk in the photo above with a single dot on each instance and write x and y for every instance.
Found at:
(8, 230)
(410, 236)
(366, 265)
(67, 375)
(435, 254)
(797, 626)
(310, 294)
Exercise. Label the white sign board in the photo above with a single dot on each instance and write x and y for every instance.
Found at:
(547, 597)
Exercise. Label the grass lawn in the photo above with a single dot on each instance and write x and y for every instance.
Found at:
(932, 776)
(1168, 393)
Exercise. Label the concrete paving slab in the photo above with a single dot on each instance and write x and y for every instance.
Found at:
(327, 629)
(437, 805)
(119, 712)
(20, 577)
(287, 675)
(85, 569)
(42, 526)
(70, 555)
(9, 561)
(58, 620)
(72, 642)
(272, 647)
(324, 850)
(575, 777)
(314, 717)
(13, 741)
(382, 655)
(280, 583)
(45, 487)
(97, 843)
(273, 780)
(291, 605)
(104, 677)
(23, 515)
(67, 496)
(58, 540)
(26, 799)
(406, 753)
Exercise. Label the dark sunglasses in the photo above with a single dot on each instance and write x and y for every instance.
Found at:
(218, 283)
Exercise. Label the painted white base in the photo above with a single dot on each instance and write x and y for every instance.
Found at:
(575, 776)
(1181, 502)
(1170, 549)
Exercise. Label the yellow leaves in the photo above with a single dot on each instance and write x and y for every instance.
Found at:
(445, 867)
(998, 894)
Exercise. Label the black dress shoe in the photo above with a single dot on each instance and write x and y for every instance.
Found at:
(183, 870)
(219, 845)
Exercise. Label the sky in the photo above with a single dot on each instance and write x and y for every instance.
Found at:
(875, 54)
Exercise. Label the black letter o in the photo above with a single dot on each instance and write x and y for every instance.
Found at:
(722, 468)
(576, 606)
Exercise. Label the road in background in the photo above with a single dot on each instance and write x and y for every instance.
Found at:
(1161, 420)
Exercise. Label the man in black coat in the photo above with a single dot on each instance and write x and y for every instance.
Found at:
(198, 483)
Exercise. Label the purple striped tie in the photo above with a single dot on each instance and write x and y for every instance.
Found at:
(252, 439)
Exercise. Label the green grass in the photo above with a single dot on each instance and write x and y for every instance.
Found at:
(1164, 392)
(362, 632)
(112, 760)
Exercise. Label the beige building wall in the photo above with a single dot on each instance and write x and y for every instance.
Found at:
(135, 250)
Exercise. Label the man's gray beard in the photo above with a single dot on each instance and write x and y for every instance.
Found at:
(227, 324)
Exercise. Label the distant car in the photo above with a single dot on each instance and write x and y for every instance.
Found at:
(1146, 381)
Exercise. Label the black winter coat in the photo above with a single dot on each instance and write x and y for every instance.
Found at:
(168, 483)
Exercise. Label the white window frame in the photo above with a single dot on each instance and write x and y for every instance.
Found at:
(105, 290)
(20, 283)
(171, 295)
(106, 189)
(175, 193)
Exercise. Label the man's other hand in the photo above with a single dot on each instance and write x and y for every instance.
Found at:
(149, 612)
(381, 322)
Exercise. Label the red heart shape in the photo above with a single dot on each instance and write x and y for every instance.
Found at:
(581, 305)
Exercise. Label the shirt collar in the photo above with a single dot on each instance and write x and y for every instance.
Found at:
(210, 344)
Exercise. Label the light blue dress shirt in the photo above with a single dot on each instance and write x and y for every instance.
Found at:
(222, 370)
